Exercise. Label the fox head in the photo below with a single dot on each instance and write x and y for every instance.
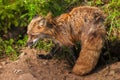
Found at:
(39, 28)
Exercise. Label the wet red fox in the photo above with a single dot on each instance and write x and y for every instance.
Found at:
(83, 24)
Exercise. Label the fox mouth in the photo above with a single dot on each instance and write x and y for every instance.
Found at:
(31, 43)
(41, 37)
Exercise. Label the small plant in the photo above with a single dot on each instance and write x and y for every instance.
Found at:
(6, 48)
(11, 48)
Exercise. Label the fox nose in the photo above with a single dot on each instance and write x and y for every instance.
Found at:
(29, 44)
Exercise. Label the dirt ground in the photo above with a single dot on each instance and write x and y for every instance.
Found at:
(29, 67)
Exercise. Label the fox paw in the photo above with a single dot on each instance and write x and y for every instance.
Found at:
(41, 56)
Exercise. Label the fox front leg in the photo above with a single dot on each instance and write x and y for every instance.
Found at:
(73, 55)
(51, 53)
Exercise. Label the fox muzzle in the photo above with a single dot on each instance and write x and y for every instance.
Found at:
(29, 44)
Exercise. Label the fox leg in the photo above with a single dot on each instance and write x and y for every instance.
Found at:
(73, 52)
(89, 55)
(51, 53)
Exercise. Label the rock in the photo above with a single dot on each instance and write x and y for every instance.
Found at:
(26, 76)
(17, 71)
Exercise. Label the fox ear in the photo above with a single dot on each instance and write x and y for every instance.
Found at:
(49, 15)
(49, 20)
(42, 22)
